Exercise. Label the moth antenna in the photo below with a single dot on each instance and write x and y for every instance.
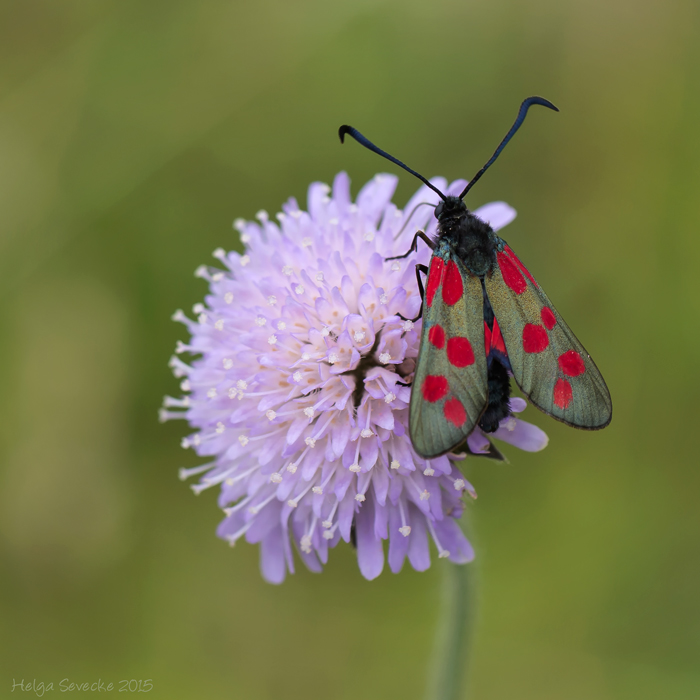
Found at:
(410, 216)
(516, 125)
(345, 129)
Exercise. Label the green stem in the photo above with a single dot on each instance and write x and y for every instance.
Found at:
(454, 633)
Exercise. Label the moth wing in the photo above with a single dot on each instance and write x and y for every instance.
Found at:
(450, 387)
(549, 363)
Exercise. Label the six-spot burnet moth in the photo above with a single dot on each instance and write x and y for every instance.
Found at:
(484, 318)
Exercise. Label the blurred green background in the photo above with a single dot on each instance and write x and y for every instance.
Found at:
(131, 135)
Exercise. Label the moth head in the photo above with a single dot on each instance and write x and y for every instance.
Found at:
(450, 208)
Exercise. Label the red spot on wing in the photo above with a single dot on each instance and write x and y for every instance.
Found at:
(435, 387)
(497, 339)
(459, 352)
(522, 267)
(548, 318)
(453, 287)
(437, 267)
(571, 363)
(511, 274)
(535, 338)
(563, 393)
(436, 335)
(455, 412)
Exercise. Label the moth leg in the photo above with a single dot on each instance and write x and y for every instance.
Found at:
(414, 246)
(424, 270)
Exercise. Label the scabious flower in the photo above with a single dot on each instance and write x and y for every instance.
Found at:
(298, 395)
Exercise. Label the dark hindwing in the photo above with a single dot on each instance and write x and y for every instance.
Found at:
(450, 388)
(549, 364)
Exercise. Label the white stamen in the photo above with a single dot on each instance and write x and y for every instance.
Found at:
(359, 336)
(287, 271)
(319, 276)
(243, 440)
(317, 490)
(509, 424)
(245, 238)
(238, 224)
(305, 544)
(332, 358)
(396, 266)
(219, 325)
(444, 554)
(292, 468)
(309, 412)
(327, 524)
(185, 385)
(369, 236)
(383, 299)
(217, 276)
(366, 433)
(425, 495)
(384, 357)
(202, 318)
(245, 260)
(291, 503)
(275, 477)
(355, 468)
(227, 363)
(260, 321)
(405, 530)
(262, 215)
(272, 300)
(296, 214)
(305, 356)
(429, 472)
(242, 384)
(272, 340)
(327, 535)
(212, 393)
(389, 397)
(407, 326)
(187, 473)
(228, 297)
(311, 442)
(271, 415)
(395, 464)
(281, 325)
(307, 242)
(297, 376)
(325, 331)
(459, 484)
(202, 272)
(360, 498)
(219, 253)
(299, 289)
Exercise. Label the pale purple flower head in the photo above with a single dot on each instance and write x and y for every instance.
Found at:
(297, 392)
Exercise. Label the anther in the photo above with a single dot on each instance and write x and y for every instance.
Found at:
(299, 289)
(291, 468)
(272, 300)
(275, 478)
(228, 297)
(307, 242)
(272, 340)
(227, 362)
(309, 412)
(219, 253)
(332, 358)
(287, 271)
(319, 276)
(220, 427)
(459, 484)
(297, 376)
(360, 497)
(425, 495)
(317, 490)
(384, 357)
(260, 321)
(383, 299)
(359, 336)
(281, 325)
(311, 442)
(245, 259)
(405, 530)
(366, 433)
(212, 393)
(219, 325)
(407, 326)
(429, 471)
(355, 468)
(395, 464)
(271, 415)
(243, 440)
(389, 397)
(396, 266)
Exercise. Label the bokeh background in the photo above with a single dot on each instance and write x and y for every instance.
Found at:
(132, 134)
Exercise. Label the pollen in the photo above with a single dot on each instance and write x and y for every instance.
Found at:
(287, 271)
(212, 393)
(332, 358)
(245, 260)
(292, 468)
(459, 484)
(389, 398)
(309, 412)
(317, 490)
(360, 498)
(272, 300)
(319, 277)
(243, 440)
(242, 384)
(407, 326)
(275, 478)
(299, 289)
(271, 415)
(311, 442)
(425, 495)
(355, 468)
(307, 242)
(395, 464)
(366, 433)
(384, 358)
(227, 363)
(359, 336)
(272, 340)
(429, 472)
(327, 535)
(383, 299)
(219, 325)
(260, 321)
(405, 530)
(297, 376)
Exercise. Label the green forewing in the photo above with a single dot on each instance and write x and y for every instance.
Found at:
(450, 388)
(548, 362)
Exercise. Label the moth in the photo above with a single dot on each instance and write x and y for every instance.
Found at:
(485, 318)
